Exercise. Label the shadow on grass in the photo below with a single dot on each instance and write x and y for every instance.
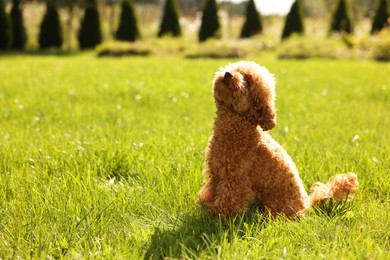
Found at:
(334, 209)
(201, 232)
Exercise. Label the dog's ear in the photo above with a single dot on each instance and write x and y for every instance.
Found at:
(263, 96)
(266, 116)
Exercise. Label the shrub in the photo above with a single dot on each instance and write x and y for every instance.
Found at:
(381, 46)
(128, 28)
(294, 20)
(252, 24)
(5, 28)
(297, 47)
(121, 48)
(210, 22)
(18, 29)
(50, 34)
(341, 19)
(218, 50)
(170, 21)
(90, 34)
(382, 17)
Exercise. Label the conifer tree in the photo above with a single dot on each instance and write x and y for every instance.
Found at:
(18, 29)
(90, 33)
(341, 20)
(128, 28)
(294, 20)
(170, 20)
(252, 24)
(210, 22)
(5, 28)
(382, 17)
(50, 34)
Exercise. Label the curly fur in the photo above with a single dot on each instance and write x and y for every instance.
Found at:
(244, 165)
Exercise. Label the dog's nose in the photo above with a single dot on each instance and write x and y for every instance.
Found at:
(228, 75)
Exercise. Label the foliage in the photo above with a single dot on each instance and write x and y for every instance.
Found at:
(18, 30)
(170, 20)
(235, 48)
(382, 17)
(121, 48)
(252, 24)
(5, 28)
(50, 34)
(342, 18)
(382, 45)
(90, 33)
(128, 26)
(297, 47)
(210, 25)
(294, 20)
(218, 50)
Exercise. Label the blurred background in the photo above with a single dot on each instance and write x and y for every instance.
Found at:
(85, 24)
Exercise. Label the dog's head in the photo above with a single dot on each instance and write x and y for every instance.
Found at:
(248, 89)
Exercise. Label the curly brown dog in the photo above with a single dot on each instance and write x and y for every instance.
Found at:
(244, 165)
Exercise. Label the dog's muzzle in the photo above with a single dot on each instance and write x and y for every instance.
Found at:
(227, 77)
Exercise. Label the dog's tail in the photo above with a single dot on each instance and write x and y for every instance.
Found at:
(339, 187)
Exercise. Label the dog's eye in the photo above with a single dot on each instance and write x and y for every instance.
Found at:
(247, 84)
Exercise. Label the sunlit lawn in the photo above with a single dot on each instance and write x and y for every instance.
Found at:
(103, 158)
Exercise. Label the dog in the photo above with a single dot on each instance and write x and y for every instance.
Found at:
(244, 165)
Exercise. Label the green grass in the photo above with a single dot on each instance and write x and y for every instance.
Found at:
(103, 158)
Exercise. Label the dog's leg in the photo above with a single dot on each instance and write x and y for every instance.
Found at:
(290, 208)
(228, 198)
(206, 195)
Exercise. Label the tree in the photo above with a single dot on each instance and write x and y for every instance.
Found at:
(252, 24)
(341, 20)
(50, 34)
(127, 29)
(382, 17)
(170, 21)
(69, 6)
(294, 20)
(18, 29)
(5, 28)
(90, 33)
(210, 21)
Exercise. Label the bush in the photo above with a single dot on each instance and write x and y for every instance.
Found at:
(90, 34)
(5, 28)
(294, 20)
(382, 17)
(297, 47)
(210, 22)
(50, 34)
(381, 46)
(341, 20)
(121, 48)
(18, 30)
(170, 21)
(128, 28)
(218, 50)
(252, 24)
